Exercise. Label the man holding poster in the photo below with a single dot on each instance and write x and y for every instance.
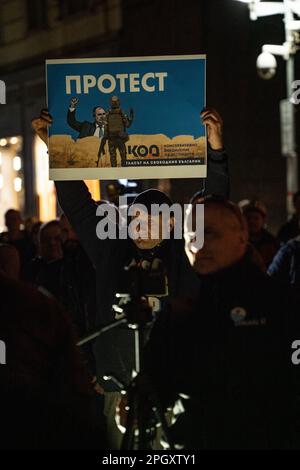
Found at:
(111, 256)
(166, 140)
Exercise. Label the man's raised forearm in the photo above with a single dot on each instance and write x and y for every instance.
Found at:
(217, 182)
(80, 209)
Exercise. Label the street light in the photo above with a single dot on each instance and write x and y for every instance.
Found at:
(266, 66)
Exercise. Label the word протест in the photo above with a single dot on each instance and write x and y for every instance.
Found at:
(119, 83)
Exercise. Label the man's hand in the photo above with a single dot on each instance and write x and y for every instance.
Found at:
(74, 102)
(212, 119)
(40, 125)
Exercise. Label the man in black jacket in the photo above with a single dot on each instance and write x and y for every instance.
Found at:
(230, 348)
(110, 256)
(114, 350)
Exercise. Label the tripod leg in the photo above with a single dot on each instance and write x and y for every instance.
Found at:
(128, 439)
(144, 428)
(160, 416)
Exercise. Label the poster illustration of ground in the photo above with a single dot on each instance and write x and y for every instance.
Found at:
(132, 118)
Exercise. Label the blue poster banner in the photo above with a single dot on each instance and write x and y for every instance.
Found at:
(136, 118)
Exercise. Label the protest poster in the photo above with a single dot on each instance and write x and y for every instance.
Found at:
(134, 118)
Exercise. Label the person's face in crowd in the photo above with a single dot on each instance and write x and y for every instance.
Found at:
(10, 262)
(13, 221)
(151, 231)
(225, 241)
(297, 206)
(100, 116)
(51, 243)
(255, 221)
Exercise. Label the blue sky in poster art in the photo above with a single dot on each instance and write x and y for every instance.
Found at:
(172, 112)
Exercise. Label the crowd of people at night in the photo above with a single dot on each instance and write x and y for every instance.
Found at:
(220, 340)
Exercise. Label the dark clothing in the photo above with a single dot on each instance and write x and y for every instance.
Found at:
(289, 230)
(286, 264)
(46, 398)
(110, 256)
(217, 182)
(33, 270)
(85, 128)
(71, 280)
(266, 245)
(230, 351)
(24, 246)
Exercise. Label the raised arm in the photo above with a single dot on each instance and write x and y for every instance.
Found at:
(74, 199)
(77, 203)
(71, 116)
(217, 181)
(127, 120)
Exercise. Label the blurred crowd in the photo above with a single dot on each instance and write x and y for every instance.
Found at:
(50, 254)
(222, 334)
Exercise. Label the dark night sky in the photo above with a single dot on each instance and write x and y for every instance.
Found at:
(250, 106)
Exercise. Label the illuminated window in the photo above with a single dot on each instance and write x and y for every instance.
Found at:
(94, 189)
(44, 188)
(11, 177)
(17, 163)
(18, 184)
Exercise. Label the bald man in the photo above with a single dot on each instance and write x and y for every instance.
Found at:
(225, 235)
(230, 348)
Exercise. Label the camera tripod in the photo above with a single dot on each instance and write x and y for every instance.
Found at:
(145, 413)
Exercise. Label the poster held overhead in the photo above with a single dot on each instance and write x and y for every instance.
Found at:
(135, 118)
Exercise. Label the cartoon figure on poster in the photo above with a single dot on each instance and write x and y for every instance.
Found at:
(115, 132)
(86, 128)
(110, 127)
